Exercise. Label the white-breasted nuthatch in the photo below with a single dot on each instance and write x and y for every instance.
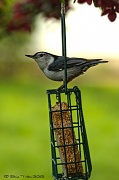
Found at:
(53, 65)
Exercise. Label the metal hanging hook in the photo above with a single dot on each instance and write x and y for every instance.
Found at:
(63, 31)
(69, 144)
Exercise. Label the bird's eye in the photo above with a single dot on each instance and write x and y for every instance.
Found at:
(41, 55)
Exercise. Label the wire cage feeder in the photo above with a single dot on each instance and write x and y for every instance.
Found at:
(69, 145)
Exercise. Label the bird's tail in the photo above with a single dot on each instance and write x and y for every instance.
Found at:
(93, 62)
(96, 61)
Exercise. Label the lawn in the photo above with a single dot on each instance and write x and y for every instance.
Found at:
(24, 129)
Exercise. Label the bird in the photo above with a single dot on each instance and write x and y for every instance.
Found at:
(53, 66)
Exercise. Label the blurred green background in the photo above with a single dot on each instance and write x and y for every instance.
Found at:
(24, 121)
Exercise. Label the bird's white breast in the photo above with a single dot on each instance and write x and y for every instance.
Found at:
(55, 76)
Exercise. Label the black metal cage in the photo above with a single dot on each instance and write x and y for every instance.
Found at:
(69, 145)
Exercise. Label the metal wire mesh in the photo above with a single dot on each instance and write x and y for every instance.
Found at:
(69, 145)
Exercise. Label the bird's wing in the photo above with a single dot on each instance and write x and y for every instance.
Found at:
(58, 64)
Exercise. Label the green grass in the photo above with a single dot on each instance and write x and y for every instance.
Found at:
(24, 129)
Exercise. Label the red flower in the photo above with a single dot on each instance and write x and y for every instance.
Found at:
(89, 2)
(112, 15)
(109, 7)
(13, 26)
(105, 11)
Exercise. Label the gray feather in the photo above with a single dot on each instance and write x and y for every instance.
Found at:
(58, 64)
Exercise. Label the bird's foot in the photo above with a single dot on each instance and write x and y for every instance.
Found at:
(61, 88)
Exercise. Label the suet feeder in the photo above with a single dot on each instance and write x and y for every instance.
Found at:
(69, 145)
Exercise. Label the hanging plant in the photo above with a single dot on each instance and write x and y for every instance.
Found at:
(19, 16)
(108, 7)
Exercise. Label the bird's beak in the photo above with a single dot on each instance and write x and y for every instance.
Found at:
(30, 56)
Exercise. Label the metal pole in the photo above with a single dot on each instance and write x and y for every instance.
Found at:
(63, 29)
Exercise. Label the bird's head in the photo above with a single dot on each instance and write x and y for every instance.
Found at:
(42, 58)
